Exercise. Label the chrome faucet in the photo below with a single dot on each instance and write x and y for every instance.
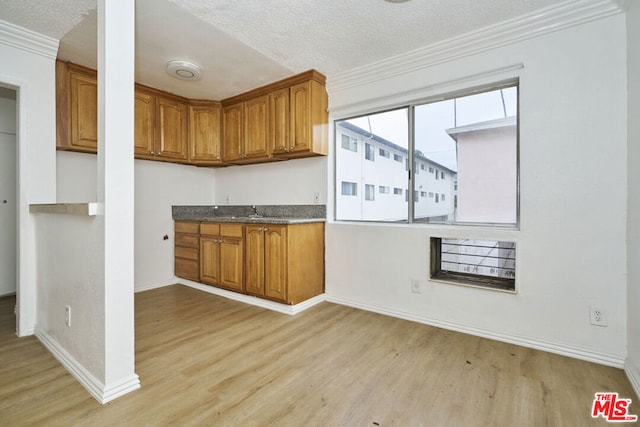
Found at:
(255, 212)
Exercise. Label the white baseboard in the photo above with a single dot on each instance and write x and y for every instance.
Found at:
(258, 302)
(633, 374)
(155, 285)
(101, 392)
(535, 343)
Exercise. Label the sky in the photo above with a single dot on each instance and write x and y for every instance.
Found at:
(432, 120)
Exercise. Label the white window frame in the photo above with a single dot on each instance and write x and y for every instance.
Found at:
(410, 166)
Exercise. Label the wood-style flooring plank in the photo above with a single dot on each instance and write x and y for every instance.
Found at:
(206, 360)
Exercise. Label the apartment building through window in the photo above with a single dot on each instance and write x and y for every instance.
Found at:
(466, 146)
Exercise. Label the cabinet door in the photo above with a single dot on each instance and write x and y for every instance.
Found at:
(84, 111)
(231, 263)
(210, 260)
(254, 265)
(279, 121)
(300, 137)
(204, 133)
(171, 137)
(275, 262)
(256, 127)
(232, 133)
(144, 120)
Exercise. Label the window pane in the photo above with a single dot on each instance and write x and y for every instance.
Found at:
(385, 134)
(470, 144)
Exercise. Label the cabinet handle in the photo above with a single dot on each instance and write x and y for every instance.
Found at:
(260, 229)
(217, 157)
(266, 229)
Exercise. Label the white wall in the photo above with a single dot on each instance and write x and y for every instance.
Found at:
(32, 72)
(633, 220)
(8, 186)
(158, 186)
(571, 245)
(288, 183)
(70, 254)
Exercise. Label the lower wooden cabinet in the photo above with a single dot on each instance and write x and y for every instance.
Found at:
(187, 250)
(221, 255)
(280, 262)
(284, 263)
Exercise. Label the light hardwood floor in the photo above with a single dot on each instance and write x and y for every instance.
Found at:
(206, 360)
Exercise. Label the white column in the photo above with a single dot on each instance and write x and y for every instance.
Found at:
(116, 38)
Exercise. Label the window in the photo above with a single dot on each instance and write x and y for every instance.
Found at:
(369, 192)
(490, 264)
(349, 188)
(383, 189)
(349, 143)
(467, 143)
(369, 152)
(397, 191)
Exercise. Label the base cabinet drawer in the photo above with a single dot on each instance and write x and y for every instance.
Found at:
(187, 250)
(187, 268)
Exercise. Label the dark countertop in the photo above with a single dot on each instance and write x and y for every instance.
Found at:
(268, 214)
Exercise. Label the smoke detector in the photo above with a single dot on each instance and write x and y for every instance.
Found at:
(184, 70)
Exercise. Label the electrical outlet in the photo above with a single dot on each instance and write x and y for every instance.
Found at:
(415, 286)
(67, 315)
(598, 316)
(316, 198)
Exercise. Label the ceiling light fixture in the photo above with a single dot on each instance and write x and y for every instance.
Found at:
(184, 70)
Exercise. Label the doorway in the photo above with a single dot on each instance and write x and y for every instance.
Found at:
(8, 193)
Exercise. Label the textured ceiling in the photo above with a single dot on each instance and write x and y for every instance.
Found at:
(243, 44)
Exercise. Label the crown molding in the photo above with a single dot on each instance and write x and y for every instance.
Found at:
(27, 40)
(535, 24)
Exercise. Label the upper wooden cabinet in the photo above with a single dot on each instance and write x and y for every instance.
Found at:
(286, 119)
(256, 128)
(205, 133)
(144, 123)
(77, 108)
(308, 103)
(171, 128)
(279, 120)
(246, 131)
(161, 126)
(283, 120)
(232, 141)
